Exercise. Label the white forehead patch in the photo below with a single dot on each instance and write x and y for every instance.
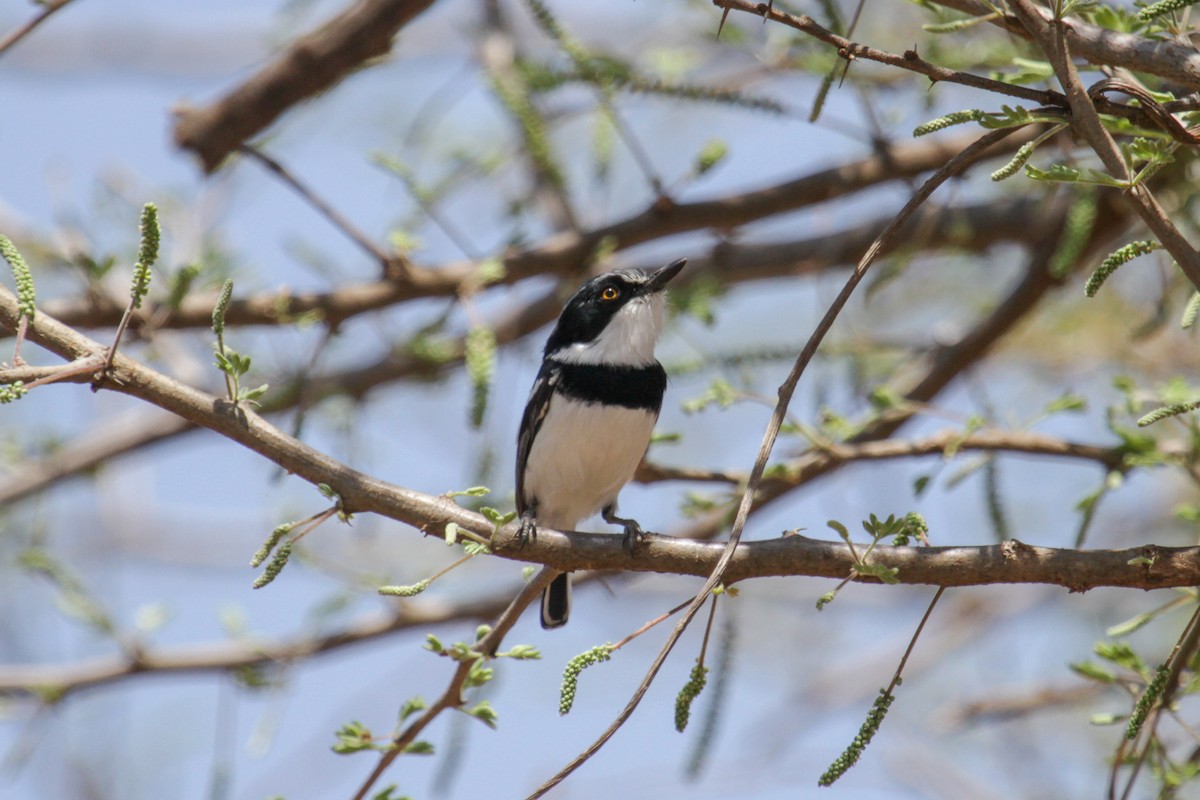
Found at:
(627, 340)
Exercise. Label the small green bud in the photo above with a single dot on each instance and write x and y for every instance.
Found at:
(275, 567)
(26, 299)
(147, 254)
(571, 673)
(867, 732)
(12, 392)
(218, 315)
(690, 691)
(1115, 259)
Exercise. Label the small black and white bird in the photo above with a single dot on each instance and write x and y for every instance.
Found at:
(591, 411)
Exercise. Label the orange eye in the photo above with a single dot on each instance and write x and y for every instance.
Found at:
(609, 293)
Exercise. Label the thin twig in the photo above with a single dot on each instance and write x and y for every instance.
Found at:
(712, 613)
(913, 641)
(910, 60)
(22, 328)
(801, 470)
(452, 697)
(388, 262)
(121, 326)
(650, 625)
(48, 7)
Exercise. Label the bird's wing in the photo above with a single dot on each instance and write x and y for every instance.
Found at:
(535, 411)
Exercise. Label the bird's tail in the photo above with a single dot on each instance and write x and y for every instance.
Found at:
(556, 602)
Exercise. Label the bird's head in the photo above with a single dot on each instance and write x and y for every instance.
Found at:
(614, 318)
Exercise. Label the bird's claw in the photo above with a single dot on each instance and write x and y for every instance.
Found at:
(526, 531)
(634, 535)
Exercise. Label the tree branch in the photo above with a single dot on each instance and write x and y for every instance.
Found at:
(828, 457)
(1015, 563)
(975, 227)
(57, 681)
(912, 61)
(1162, 57)
(1051, 36)
(309, 66)
(49, 7)
(452, 697)
(561, 254)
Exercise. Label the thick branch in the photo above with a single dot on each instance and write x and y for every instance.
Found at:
(59, 680)
(974, 227)
(1009, 562)
(821, 461)
(951, 566)
(1165, 58)
(562, 254)
(311, 65)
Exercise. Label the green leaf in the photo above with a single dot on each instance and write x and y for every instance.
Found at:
(1068, 402)
(1133, 623)
(1092, 670)
(720, 393)
(497, 518)
(881, 571)
(484, 712)
(713, 153)
(474, 491)
(521, 652)
(252, 395)
(478, 674)
(1061, 173)
(1106, 719)
(411, 706)
(840, 528)
(388, 793)
(356, 737)
(1122, 655)
(473, 548)
(825, 599)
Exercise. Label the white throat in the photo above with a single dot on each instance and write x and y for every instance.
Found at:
(627, 340)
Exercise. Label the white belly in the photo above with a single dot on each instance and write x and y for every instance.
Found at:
(581, 457)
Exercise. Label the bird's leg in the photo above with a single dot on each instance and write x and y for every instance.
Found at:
(528, 527)
(633, 531)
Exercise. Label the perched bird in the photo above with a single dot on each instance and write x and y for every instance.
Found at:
(591, 411)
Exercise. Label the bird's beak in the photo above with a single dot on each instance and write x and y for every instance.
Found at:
(660, 278)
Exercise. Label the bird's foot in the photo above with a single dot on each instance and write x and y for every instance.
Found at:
(634, 535)
(633, 531)
(526, 531)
